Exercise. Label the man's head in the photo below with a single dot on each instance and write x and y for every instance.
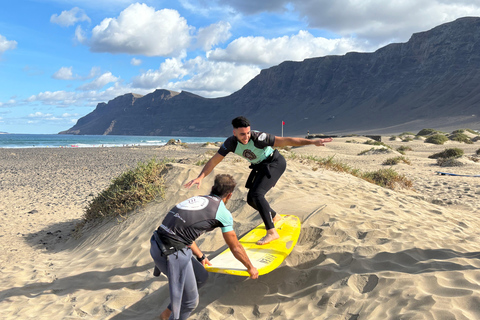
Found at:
(223, 186)
(241, 129)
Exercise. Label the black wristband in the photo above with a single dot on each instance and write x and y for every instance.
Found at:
(201, 258)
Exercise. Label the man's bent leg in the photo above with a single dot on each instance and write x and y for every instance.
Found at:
(256, 197)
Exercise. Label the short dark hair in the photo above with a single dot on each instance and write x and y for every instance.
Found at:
(240, 122)
(223, 185)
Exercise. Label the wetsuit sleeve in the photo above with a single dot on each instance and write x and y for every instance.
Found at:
(228, 146)
(225, 217)
(262, 139)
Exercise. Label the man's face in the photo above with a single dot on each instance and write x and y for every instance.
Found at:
(242, 134)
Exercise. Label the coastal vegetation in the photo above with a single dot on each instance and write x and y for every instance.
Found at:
(375, 151)
(448, 153)
(377, 143)
(448, 157)
(460, 137)
(403, 149)
(128, 191)
(396, 160)
(387, 178)
(437, 139)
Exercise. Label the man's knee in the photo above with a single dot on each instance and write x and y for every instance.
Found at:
(190, 305)
(254, 198)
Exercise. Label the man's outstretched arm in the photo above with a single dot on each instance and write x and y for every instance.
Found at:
(298, 142)
(209, 166)
(239, 253)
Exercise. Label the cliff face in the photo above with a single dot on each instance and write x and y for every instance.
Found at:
(430, 81)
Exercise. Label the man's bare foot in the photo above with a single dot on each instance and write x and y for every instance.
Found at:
(271, 235)
(165, 314)
(277, 218)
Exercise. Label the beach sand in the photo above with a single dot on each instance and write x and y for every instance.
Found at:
(365, 252)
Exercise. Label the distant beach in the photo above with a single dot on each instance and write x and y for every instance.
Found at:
(85, 141)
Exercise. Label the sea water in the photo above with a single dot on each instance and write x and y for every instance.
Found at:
(79, 141)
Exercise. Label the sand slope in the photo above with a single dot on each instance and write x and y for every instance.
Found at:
(365, 252)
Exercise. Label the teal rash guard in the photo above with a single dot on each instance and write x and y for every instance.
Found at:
(258, 148)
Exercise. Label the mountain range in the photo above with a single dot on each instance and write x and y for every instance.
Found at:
(431, 81)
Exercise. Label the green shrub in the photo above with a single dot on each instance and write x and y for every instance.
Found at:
(460, 137)
(427, 132)
(472, 131)
(374, 151)
(437, 139)
(448, 153)
(387, 178)
(130, 190)
(396, 160)
(173, 142)
(393, 138)
(449, 162)
(376, 143)
(402, 149)
(407, 134)
(407, 139)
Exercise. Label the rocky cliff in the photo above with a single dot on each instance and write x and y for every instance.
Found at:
(430, 81)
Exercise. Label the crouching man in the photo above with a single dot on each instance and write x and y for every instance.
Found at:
(174, 250)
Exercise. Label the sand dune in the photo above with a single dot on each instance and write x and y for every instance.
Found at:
(365, 252)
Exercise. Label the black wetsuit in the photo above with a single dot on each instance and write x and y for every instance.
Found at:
(267, 167)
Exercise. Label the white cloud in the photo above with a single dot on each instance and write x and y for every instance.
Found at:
(58, 98)
(268, 52)
(99, 82)
(213, 35)
(377, 21)
(140, 29)
(65, 73)
(95, 71)
(135, 62)
(171, 69)
(214, 79)
(40, 115)
(68, 115)
(69, 18)
(205, 78)
(80, 35)
(6, 44)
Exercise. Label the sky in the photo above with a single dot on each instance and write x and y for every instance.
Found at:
(60, 58)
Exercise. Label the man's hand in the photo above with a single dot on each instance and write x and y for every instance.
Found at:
(206, 262)
(253, 272)
(197, 181)
(321, 142)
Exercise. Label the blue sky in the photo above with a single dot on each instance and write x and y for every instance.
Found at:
(59, 58)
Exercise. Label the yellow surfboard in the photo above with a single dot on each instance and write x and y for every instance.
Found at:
(265, 258)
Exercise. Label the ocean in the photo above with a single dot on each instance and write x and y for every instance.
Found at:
(82, 141)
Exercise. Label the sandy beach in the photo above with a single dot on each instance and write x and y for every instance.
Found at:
(365, 252)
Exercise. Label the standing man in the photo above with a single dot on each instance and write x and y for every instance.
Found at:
(173, 245)
(267, 166)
